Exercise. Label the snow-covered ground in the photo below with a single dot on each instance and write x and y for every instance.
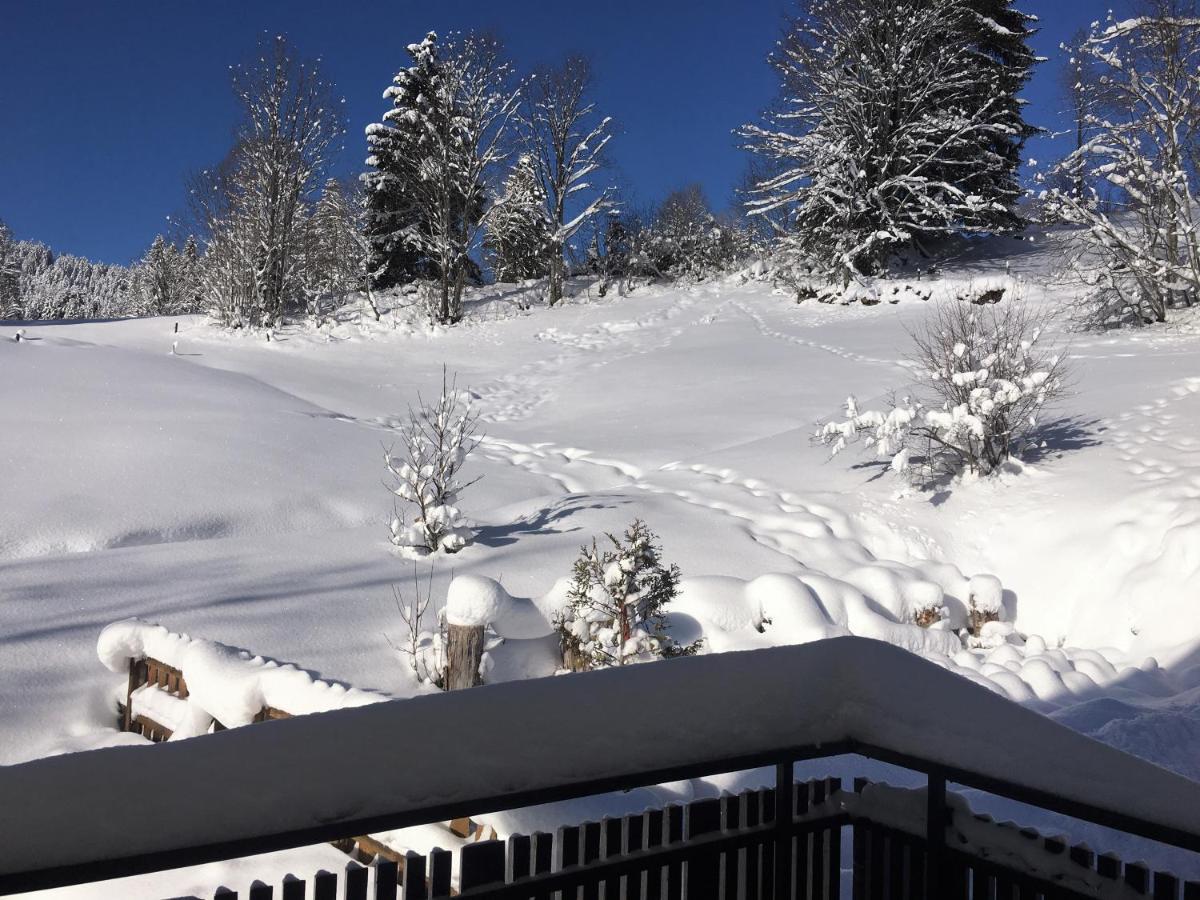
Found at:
(234, 490)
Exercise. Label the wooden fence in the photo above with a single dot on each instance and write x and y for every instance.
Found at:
(727, 849)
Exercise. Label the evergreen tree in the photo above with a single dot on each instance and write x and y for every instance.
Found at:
(518, 238)
(998, 37)
(160, 280)
(891, 131)
(333, 264)
(394, 157)
(10, 273)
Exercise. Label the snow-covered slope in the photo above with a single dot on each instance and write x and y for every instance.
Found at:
(235, 491)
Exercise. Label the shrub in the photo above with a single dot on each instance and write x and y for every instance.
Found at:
(435, 443)
(986, 376)
(615, 612)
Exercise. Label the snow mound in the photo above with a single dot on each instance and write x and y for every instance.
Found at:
(224, 683)
(476, 600)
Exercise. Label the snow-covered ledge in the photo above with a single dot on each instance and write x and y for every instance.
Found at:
(403, 762)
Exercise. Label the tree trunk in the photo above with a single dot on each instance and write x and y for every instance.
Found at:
(556, 274)
(464, 653)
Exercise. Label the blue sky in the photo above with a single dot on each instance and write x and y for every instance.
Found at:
(106, 105)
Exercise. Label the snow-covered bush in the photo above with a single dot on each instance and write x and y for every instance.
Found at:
(435, 443)
(615, 611)
(985, 602)
(986, 376)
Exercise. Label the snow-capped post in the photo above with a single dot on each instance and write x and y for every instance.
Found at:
(436, 441)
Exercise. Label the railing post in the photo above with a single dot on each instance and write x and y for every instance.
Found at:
(935, 833)
(784, 814)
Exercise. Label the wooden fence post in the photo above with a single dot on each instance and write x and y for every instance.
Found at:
(783, 830)
(935, 834)
(464, 653)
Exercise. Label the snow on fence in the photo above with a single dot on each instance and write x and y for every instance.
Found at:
(180, 686)
(252, 790)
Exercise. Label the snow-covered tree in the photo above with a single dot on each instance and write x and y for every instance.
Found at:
(1138, 250)
(10, 275)
(427, 472)
(160, 278)
(518, 237)
(566, 142)
(887, 134)
(986, 378)
(333, 263)
(616, 607)
(290, 129)
(433, 155)
(686, 240)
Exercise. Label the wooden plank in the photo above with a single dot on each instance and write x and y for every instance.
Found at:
(293, 888)
(325, 886)
(520, 857)
(415, 885)
(896, 853)
(702, 877)
(655, 834)
(1166, 886)
(633, 839)
(1108, 866)
(751, 817)
(137, 677)
(673, 834)
(879, 849)
(543, 857)
(356, 882)
(567, 852)
(440, 862)
(1191, 890)
(387, 877)
(224, 893)
(611, 843)
(150, 729)
(590, 836)
(1137, 877)
(481, 865)
(732, 863)
(833, 862)
(260, 891)
(811, 862)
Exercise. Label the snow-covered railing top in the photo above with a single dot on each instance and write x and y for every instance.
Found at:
(287, 783)
(225, 683)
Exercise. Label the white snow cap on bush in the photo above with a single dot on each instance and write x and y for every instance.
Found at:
(987, 594)
(229, 684)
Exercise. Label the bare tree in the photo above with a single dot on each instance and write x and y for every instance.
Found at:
(1139, 252)
(567, 146)
(290, 128)
(435, 443)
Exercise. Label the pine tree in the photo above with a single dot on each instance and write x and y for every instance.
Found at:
(616, 607)
(433, 155)
(160, 278)
(394, 155)
(333, 265)
(518, 238)
(10, 274)
(998, 36)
